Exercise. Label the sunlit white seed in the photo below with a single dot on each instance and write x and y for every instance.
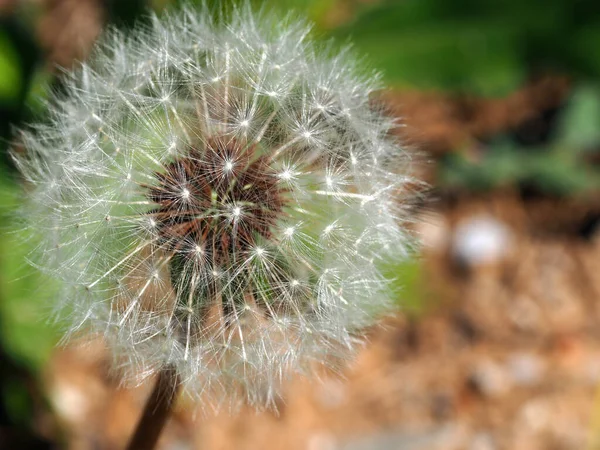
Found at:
(286, 175)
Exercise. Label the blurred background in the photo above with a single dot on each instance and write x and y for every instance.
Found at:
(497, 342)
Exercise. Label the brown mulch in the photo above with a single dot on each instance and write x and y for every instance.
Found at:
(438, 123)
(68, 29)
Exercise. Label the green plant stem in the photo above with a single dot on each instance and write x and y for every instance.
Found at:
(157, 410)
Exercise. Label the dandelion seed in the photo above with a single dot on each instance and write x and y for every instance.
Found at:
(192, 262)
(286, 175)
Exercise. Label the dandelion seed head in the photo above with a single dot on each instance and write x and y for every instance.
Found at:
(255, 165)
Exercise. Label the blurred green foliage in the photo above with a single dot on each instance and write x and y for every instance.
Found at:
(485, 47)
(558, 168)
(26, 336)
(408, 286)
(10, 68)
(580, 124)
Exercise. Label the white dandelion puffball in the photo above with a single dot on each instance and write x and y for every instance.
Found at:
(218, 195)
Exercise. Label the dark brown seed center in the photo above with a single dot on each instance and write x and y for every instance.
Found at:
(218, 201)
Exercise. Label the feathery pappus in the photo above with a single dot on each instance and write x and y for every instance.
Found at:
(218, 194)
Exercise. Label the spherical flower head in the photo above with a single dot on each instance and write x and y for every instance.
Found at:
(218, 195)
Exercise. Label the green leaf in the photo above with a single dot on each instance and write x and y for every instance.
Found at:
(10, 71)
(431, 53)
(407, 282)
(580, 123)
(24, 326)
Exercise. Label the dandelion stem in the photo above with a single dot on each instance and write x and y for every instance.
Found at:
(157, 410)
